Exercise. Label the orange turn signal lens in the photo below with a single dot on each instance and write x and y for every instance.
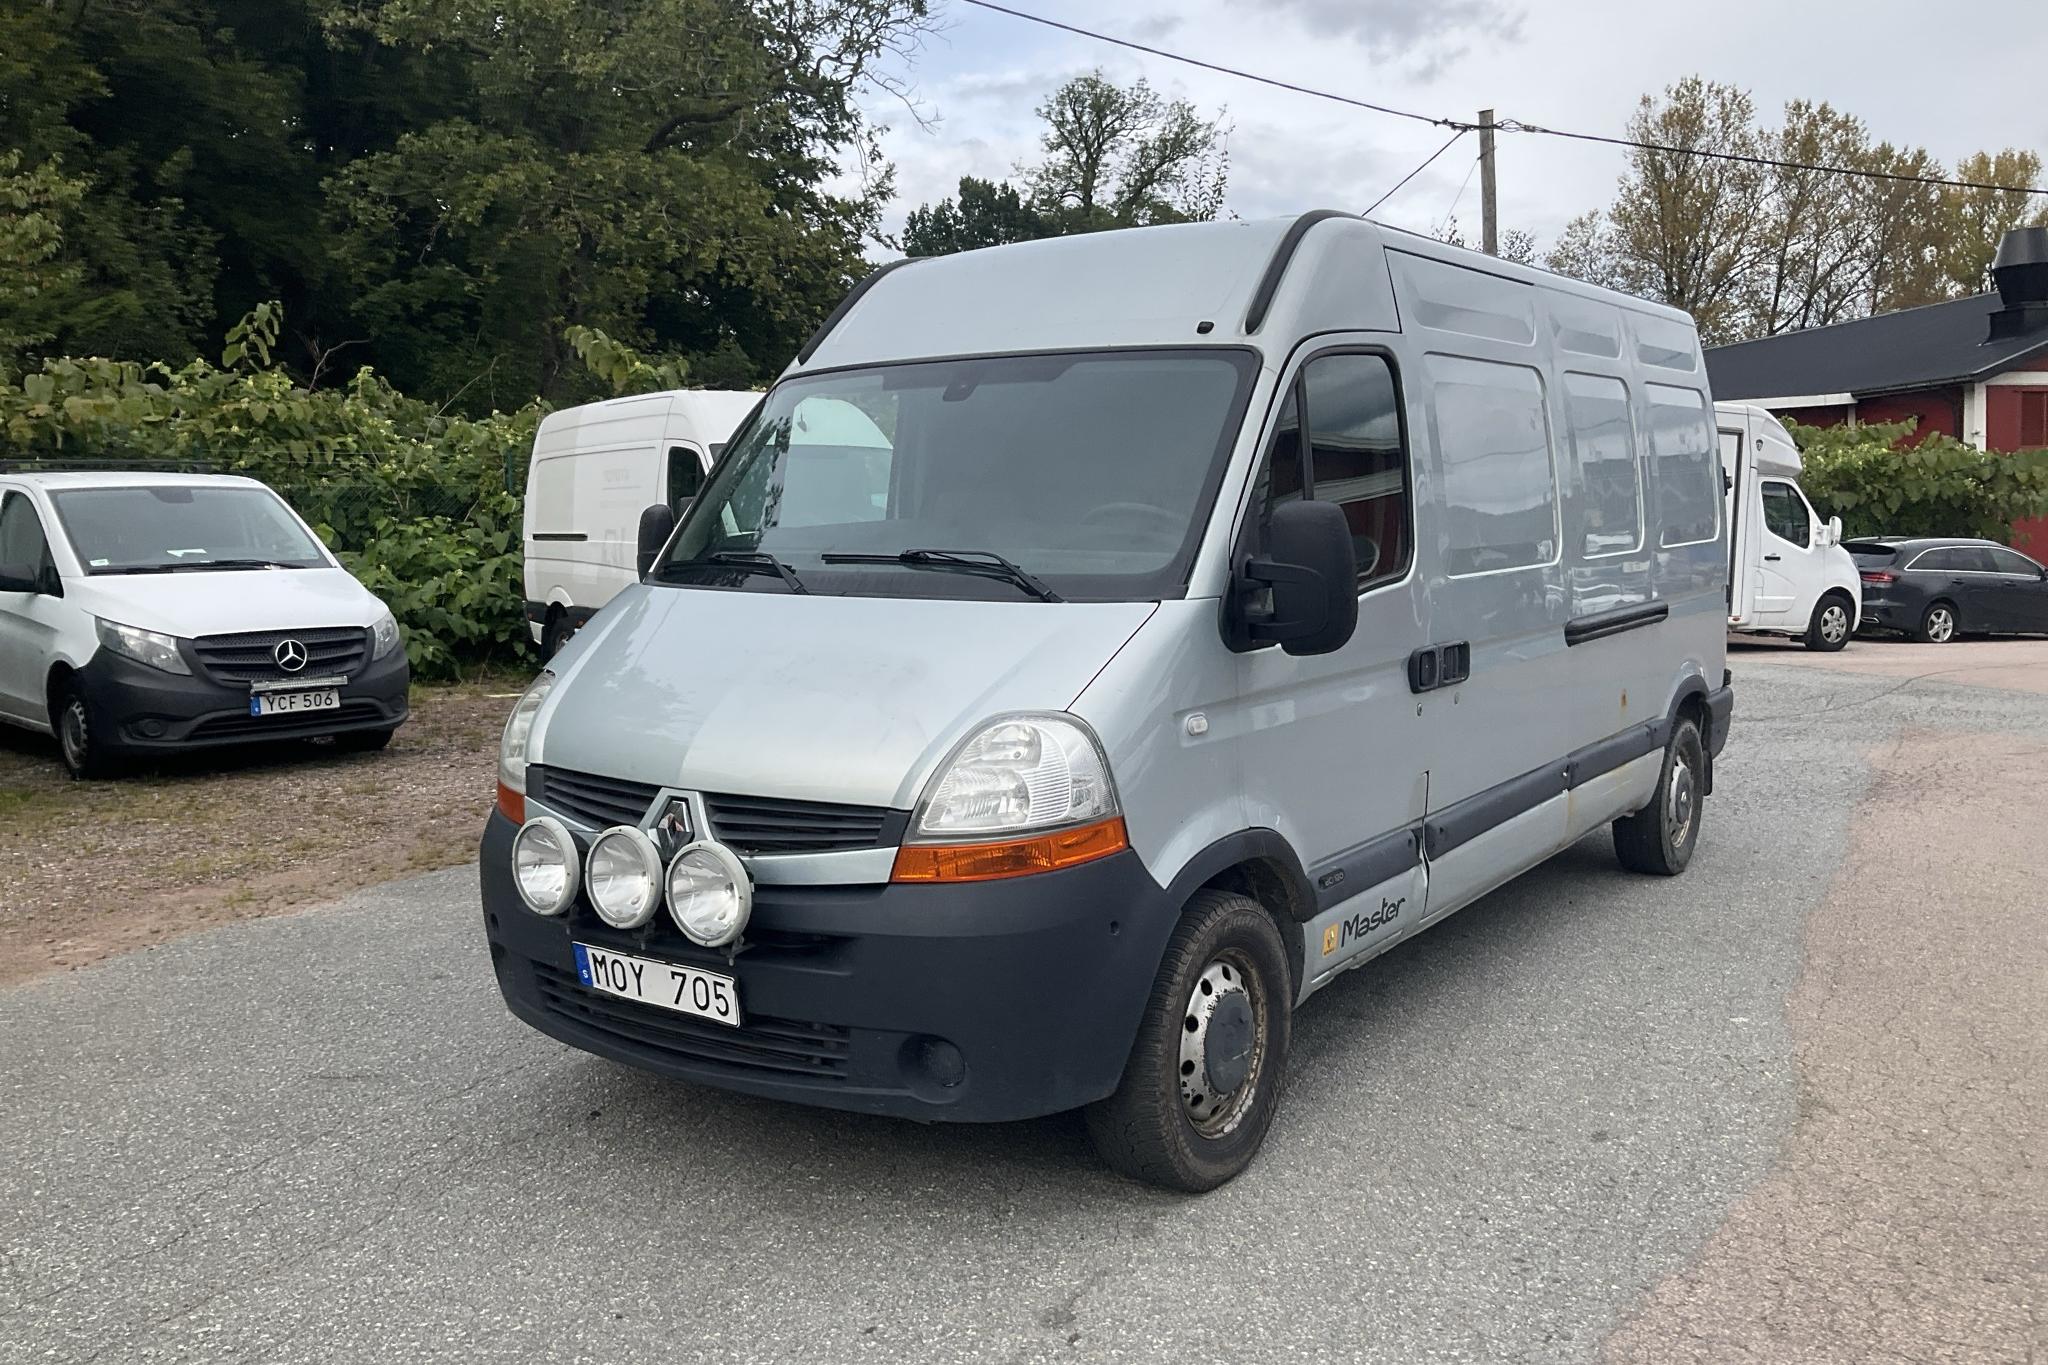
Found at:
(1010, 858)
(511, 804)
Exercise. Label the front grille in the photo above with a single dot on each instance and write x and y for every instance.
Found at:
(763, 824)
(782, 1047)
(598, 802)
(296, 723)
(331, 651)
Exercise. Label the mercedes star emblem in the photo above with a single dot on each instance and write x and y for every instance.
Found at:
(290, 655)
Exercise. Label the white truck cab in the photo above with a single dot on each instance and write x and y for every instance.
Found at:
(594, 469)
(1787, 571)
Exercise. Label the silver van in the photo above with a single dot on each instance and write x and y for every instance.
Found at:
(1228, 603)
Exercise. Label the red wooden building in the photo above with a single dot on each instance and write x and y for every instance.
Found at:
(1975, 369)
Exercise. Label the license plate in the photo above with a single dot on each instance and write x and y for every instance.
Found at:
(682, 989)
(285, 703)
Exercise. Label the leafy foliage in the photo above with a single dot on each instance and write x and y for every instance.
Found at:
(1937, 486)
(414, 501)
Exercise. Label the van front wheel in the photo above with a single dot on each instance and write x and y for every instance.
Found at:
(1204, 1075)
(1830, 628)
(1659, 838)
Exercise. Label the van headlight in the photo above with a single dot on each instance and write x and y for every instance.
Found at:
(383, 635)
(1015, 774)
(143, 646)
(623, 874)
(518, 734)
(544, 865)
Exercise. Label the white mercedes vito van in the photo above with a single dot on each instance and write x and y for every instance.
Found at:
(1234, 601)
(144, 612)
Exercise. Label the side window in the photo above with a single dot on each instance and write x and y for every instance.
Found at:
(1785, 513)
(1499, 479)
(1971, 559)
(1604, 445)
(22, 544)
(685, 477)
(1356, 459)
(2013, 562)
(1688, 469)
(1938, 561)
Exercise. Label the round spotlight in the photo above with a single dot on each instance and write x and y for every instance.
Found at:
(623, 873)
(709, 894)
(544, 865)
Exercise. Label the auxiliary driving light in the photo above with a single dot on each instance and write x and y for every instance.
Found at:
(623, 873)
(544, 865)
(709, 894)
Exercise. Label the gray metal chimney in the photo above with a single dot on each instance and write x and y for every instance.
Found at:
(2021, 270)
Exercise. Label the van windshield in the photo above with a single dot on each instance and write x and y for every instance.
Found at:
(1092, 474)
(182, 527)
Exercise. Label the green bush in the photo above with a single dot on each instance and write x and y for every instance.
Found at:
(1938, 487)
(416, 503)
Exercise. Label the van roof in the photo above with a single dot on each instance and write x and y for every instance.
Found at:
(1781, 460)
(1148, 287)
(55, 480)
(719, 409)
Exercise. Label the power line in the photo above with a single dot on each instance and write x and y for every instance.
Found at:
(1412, 174)
(1506, 125)
(1452, 211)
(1223, 70)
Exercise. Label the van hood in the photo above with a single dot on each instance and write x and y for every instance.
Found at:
(845, 699)
(224, 601)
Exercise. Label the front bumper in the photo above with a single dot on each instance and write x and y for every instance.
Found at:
(1038, 981)
(142, 709)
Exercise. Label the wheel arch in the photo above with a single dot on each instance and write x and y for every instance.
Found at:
(1261, 865)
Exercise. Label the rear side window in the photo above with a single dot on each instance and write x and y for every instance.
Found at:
(1939, 560)
(1499, 480)
(1687, 469)
(1358, 461)
(1785, 513)
(1604, 445)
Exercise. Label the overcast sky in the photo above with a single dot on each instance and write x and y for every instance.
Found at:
(1955, 76)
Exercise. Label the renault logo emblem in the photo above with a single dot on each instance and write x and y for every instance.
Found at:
(290, 655)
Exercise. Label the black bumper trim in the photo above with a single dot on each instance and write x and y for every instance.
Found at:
(145, 710)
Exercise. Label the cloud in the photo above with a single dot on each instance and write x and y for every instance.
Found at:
(1425, 34)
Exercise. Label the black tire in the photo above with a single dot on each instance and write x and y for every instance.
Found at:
(1832, 624)
(364, 741)
(78, 725)
(1227, 961)
(1939, 624)
(1659, 838)
(554, 635)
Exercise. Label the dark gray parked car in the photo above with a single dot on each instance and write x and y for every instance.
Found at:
(1936, 588)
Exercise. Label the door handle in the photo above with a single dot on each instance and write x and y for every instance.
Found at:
(1771, 559)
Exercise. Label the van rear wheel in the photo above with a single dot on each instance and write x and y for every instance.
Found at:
(1659, 838)
(1198, 1092)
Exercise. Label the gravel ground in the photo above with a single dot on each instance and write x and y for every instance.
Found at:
(90, 869)
(1787, 1107)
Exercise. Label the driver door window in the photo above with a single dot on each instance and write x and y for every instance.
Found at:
(685, 477)
(1351, 453)
(22, 543)
(1786, 515)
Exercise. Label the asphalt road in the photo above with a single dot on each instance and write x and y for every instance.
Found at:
(321, 1137)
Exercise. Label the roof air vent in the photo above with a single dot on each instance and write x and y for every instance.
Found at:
(2021, 271)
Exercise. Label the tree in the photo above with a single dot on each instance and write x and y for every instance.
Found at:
(987, 213)
(1938, 486)
(1123, 156)
(35, 283)
(1972, 222)
(1516, 244)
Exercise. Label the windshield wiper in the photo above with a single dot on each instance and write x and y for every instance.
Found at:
(750, 561)
(231, 564)
(987, 563)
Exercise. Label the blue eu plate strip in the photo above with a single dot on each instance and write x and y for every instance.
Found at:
(583, 965)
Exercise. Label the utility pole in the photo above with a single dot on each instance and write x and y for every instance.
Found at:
(1489, 215)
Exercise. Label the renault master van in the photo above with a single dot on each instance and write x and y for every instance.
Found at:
(594, 468)
(1232, 602)
(1787, 571)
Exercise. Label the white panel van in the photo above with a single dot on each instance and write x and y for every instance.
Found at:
(594, 469)
(1201, 611)
(1787, 571)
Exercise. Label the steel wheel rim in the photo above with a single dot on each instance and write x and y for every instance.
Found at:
(1683, 804)
(1834, 624)
(1941, 624)
(1229, 976)
(71, 734)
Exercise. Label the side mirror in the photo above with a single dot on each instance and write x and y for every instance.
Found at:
(1834, 530)
(657, 524)
(1310, 573)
